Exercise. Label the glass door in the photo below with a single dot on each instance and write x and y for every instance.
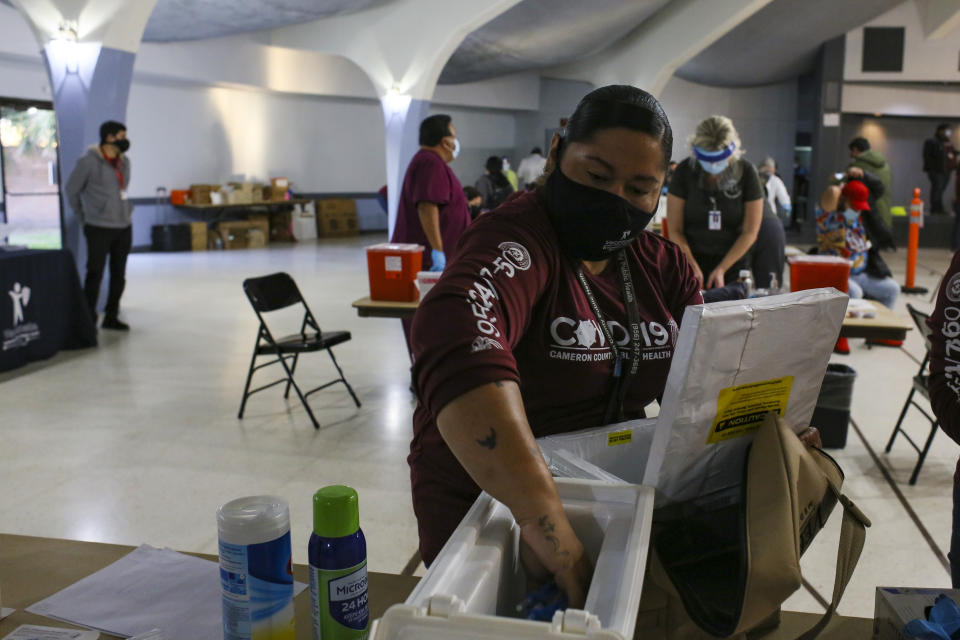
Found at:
(29, 170)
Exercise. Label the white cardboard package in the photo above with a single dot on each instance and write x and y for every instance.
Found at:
(735, 362)
(473, 586)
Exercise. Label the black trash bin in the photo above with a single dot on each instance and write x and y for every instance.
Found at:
(832, 414)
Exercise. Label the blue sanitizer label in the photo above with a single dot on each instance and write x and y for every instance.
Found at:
(340, 607)
(257, 590)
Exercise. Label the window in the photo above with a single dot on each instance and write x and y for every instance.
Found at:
(883, 49)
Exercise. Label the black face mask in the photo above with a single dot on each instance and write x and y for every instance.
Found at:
(122, 144)
(592, 224)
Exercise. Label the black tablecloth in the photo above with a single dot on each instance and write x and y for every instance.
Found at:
(42, 308)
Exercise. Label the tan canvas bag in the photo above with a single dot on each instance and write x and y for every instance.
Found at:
(724, 566)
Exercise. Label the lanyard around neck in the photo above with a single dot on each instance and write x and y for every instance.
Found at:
(614, 411)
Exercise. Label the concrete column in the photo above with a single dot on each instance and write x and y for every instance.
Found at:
(90, 84)
(401, 117)
(830, 153)
(88, 47)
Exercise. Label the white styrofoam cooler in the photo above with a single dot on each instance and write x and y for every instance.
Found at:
(472, 588)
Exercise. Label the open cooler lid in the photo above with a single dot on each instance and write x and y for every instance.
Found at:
(734, 362)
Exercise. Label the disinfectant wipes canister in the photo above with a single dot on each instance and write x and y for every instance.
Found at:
(256, 576)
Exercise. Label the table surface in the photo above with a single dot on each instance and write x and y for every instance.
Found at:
(367, 308)
(32, 569)
(246, 205)
(886, 326)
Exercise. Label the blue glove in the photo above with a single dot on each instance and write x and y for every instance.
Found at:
(439, 260)
(543, 603)
(942, 623)
(787, 208)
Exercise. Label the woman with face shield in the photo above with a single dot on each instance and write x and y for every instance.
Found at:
(528, 332)
(715, 204)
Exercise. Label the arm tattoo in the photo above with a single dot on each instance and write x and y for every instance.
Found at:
(547, 527)
(490, 442)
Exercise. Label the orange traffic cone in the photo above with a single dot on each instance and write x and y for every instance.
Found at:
(913, 243)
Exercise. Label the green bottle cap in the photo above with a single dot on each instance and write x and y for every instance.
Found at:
(336, 512)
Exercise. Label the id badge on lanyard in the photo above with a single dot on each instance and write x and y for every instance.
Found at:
(715, 221)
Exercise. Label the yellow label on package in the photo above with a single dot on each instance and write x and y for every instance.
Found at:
(619, 437)
(741, 410)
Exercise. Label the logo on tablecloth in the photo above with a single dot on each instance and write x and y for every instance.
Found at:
(21, 298)
(22, 333)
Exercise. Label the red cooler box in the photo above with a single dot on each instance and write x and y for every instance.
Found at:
(814, 272)
(393, 271)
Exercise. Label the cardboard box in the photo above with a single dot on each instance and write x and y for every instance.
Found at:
(272, 194)
(256, 239)
(262, 222)
(336, 225)
(336, 217)
(198, 236)
(337, 206)
(894, 607)
(200, 193)
(235, 233)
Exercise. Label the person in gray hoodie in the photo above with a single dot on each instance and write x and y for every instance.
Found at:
(97, 193)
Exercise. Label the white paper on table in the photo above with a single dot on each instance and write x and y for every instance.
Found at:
(146, 589)
(34, 632)
(860, 308)
(6, 612)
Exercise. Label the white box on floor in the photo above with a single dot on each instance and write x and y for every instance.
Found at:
(472, 588)
(896, 606)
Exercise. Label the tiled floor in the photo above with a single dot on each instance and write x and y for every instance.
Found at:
(138, 441)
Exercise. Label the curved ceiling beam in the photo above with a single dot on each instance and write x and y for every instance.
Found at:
(116, 24)
(649, 56)
(378, 40)
(939, 17)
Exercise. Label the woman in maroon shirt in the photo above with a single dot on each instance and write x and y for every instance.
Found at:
(528, 332)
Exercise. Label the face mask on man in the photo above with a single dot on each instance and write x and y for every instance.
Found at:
(456, 148)
(850, 215)
(591, 224)
(122, 144)
(714, 162)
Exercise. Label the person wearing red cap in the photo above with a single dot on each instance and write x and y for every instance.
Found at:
(844, 229)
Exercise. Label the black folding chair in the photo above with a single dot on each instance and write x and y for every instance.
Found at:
(272, 293)
(920, 385)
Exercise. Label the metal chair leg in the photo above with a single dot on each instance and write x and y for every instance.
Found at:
(303, 399)
(896, 429)
(923, 454)
(246, 388)
(293, 370)
(347, 384)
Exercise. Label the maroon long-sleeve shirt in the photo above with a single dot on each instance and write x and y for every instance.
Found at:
(944, 385)
(509, 306)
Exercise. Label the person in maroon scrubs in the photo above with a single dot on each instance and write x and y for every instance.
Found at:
(529, 333)
(944, 384)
